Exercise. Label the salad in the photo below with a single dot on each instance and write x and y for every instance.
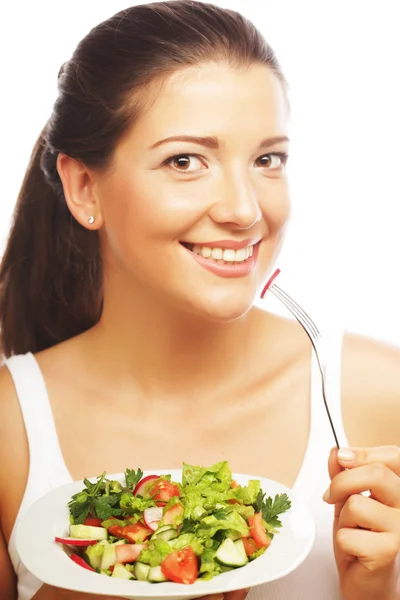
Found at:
(153, 529)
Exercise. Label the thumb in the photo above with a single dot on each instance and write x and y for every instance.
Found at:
(237, 595)
(334, 467)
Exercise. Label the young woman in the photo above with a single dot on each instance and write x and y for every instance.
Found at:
(154, 205)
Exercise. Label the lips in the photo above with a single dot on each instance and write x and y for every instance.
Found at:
(224, 262)
(227, 255)
(223, 244)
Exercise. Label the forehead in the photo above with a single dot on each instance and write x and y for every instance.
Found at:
(217, 99)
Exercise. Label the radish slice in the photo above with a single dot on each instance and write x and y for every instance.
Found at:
(152, 516)
(79, 561)
(140, 489)
(69, 541)
(127, 553)
(270, 280)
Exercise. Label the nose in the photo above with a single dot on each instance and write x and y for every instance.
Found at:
(236, 203)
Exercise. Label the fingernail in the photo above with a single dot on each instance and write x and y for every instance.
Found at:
(346, 454)
(215, 597)
(326, 495)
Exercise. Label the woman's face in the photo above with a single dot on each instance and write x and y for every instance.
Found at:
(196, 200)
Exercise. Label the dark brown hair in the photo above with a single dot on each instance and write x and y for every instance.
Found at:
(51, 272)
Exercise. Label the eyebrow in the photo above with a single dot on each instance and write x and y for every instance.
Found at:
(213, 142)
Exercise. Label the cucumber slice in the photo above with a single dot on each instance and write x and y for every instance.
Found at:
(109, 557)
(166, 533)
(142, 571)
(231, 554)
(234, 535)
(164, 528)
(87, 532)
(95, 554)
(121, 572)
(156, 575)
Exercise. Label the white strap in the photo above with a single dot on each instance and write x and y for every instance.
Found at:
(321, 438)
(45, 457)
(333, 376)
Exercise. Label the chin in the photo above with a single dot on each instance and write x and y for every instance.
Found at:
(224, 310)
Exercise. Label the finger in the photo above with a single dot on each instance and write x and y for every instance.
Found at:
(376, 477)
(236, 595)
(356, 457)
(367, 513)
(334, 467)
(373, 550)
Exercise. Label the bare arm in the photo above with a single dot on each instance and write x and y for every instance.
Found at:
(13, 472)
(8, 584)
(367, 528)
(371, 392)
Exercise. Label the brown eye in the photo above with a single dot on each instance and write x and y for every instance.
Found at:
(265, 161)
(181, 162)
(272, 161)
(185, 163)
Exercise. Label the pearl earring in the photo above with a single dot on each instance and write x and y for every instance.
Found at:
(91, 220)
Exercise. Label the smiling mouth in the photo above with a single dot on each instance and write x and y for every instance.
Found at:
(220, 255)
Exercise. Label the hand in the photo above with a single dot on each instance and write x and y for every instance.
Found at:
(47, 592)
(366, 529)
(237, 595)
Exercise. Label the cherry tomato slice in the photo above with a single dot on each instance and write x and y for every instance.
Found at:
(258, 532)
(180, 566)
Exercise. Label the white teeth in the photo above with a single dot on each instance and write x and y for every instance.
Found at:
(217, 253)
(241, 255)
(227, 255)
(206, 252)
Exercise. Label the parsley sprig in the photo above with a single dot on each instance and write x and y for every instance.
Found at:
(102, 498)
(132, 478)
(272, 507)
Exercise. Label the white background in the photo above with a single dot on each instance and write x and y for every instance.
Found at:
(341, 58)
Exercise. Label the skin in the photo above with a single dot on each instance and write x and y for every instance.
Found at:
(209, 348)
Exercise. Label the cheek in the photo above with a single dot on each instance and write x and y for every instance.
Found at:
(137, 213)
(275, 207)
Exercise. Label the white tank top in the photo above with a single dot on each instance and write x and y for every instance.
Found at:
(316, 578)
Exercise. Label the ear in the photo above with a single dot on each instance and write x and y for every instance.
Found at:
(79, 191)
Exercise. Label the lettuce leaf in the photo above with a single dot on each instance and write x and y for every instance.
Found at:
(246, 494)
(115, 521)
(208, 565)
(231, 522)
(135, 504)
(257, 553)
(193, 502)
(220, 472)
(244, 511)
(155, 553)
(188, 539)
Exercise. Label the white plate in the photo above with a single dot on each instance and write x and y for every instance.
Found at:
(47, 560)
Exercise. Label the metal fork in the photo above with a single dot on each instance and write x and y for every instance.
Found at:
(311, 330)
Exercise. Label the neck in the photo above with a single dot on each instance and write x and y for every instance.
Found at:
(163, 349)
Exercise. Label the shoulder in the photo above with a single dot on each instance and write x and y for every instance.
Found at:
(14, 453)
(9, 405)
(371, 392)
